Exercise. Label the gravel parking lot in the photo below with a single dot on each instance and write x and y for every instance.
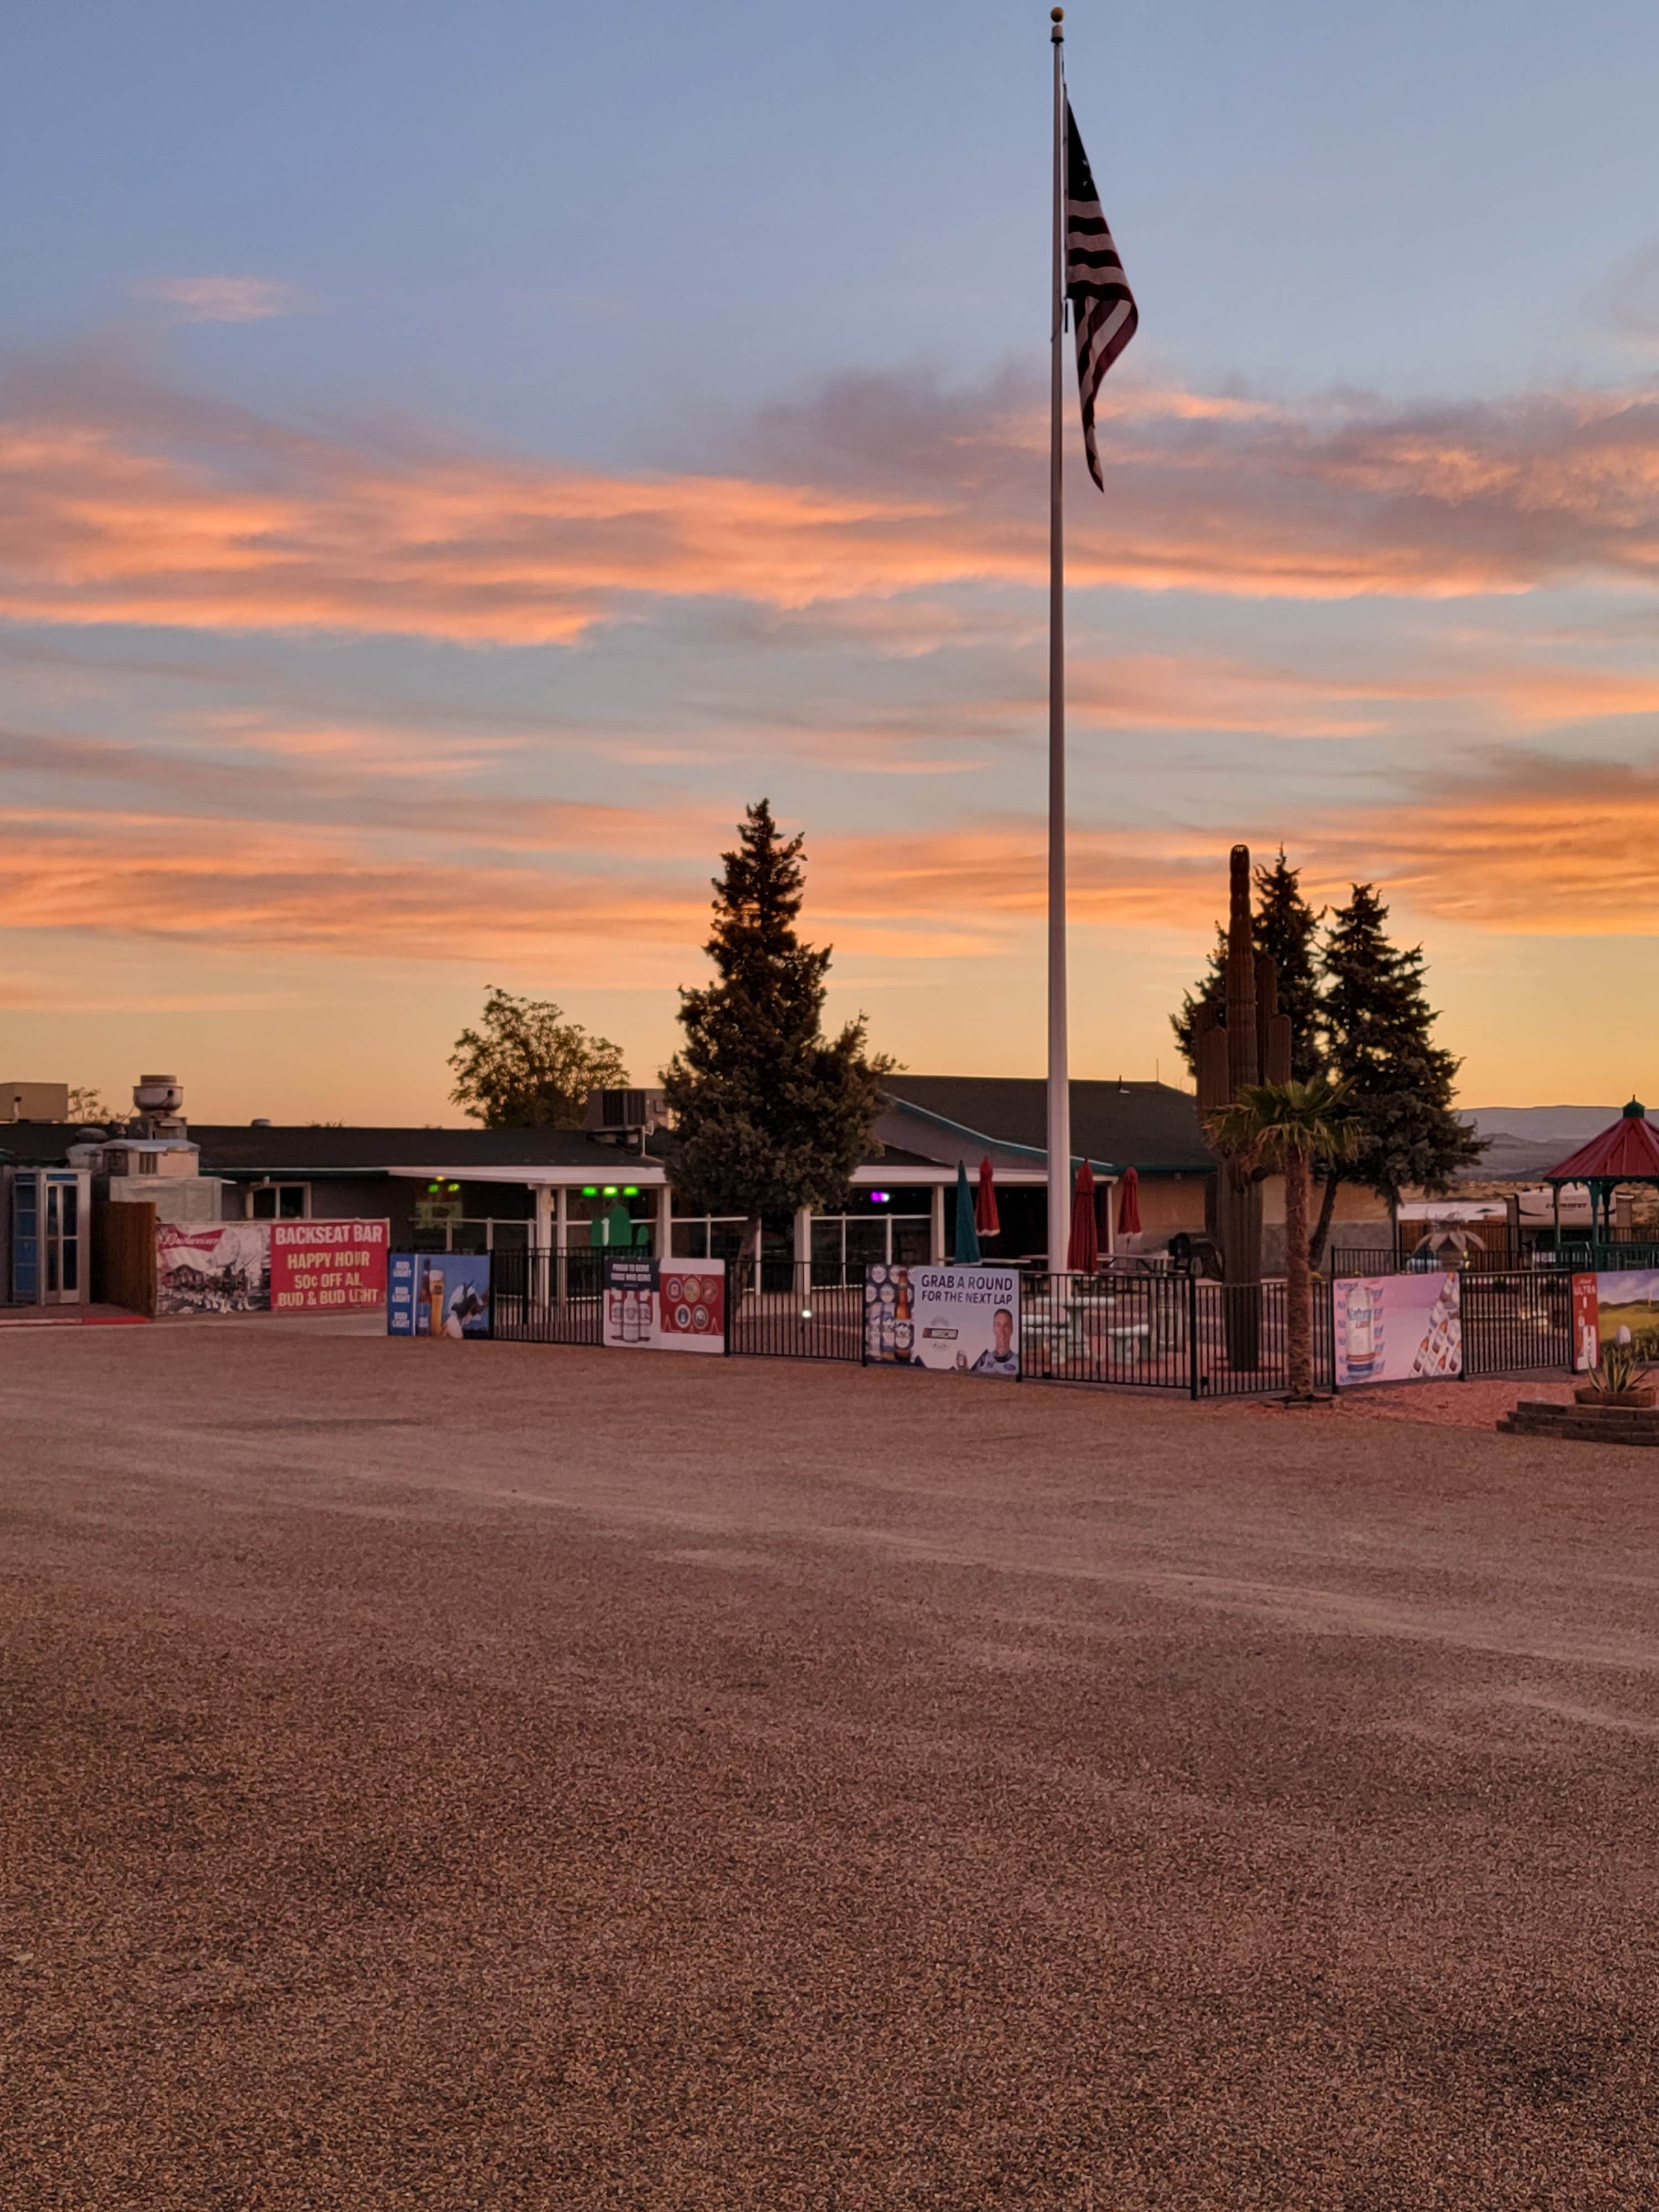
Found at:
(488, 1775)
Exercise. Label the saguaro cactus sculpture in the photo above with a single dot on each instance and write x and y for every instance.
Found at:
(1253, 1047)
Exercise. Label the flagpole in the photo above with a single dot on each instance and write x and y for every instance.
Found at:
(1060, 1090)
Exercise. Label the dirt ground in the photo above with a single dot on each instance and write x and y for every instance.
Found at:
(483, 1776)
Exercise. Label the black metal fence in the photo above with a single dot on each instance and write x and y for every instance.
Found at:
(1156, 1332)
(1497, 1257)
(1153, 1332)
(548, 1297)
(1515, 1320)
(784, 1309)
(1165, 1332)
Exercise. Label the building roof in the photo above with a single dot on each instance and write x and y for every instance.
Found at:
(37, 1144)
(1151, 1126)
(230, 1149)
(238, 1149)
(930, 1120)
(1626, 1152)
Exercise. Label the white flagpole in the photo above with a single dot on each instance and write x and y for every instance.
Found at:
(1060, 1089)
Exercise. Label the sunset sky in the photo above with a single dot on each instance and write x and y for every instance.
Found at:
(451, 458)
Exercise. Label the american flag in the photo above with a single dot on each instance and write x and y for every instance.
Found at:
(1102, 307)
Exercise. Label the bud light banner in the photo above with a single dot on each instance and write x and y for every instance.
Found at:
(956, 1321)
(1397, 1329)
(666, 1305)
(444, 1294)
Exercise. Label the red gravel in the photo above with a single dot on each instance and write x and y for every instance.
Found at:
(1473, 1405)
(483, 1776)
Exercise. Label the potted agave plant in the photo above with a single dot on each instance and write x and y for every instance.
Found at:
(1621, 1380)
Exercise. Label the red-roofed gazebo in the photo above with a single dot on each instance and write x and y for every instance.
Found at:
(1627, 1152)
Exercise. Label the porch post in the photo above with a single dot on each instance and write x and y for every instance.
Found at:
(936, 1227)
(665, 1230)
(541, 1241)
(560, 1239)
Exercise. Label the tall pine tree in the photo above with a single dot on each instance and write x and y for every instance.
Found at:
(769, 1115)
(1378, 1020)
(1285, 926)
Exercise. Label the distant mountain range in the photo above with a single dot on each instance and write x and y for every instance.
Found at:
(1526, 1140)
(1541, 1122)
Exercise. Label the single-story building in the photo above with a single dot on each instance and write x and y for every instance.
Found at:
(474, 1189)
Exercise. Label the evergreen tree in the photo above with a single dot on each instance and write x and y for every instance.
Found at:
(1285, 926)
(1210, 990)
(769, 1115)
(1398, 1082)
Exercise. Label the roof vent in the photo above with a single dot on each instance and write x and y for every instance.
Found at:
(260, 1122)
(158, 1094)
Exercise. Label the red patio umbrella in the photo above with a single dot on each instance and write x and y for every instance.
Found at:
(1083, 1252)
(1128, 1204)
(985, 1202)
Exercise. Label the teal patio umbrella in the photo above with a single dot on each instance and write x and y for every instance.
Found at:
(967, 1235)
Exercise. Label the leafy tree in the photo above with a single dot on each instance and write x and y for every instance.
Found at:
(87, 1107)
(1285, 926)
(526, 1067)
(1378, 1023)
(1289, 1128)
(769, 1115)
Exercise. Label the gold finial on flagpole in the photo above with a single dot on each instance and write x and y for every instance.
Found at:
(1056, 16)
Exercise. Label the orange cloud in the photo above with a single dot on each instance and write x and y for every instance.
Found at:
(312, 889)
(1539, 848)
(1534, 848)
(133, 507)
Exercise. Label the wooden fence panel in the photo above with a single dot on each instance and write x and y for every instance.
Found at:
(124, 1254)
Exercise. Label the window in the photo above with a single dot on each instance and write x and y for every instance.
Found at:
(279, 1201)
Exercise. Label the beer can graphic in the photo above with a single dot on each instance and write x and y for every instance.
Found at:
(1360, 1355)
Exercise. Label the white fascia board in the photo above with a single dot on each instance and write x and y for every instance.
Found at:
(873, 1178)
(646, 1177)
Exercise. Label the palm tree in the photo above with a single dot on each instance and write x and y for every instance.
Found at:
(1288, 1128)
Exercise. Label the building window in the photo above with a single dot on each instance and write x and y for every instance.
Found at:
(885, 1235)
(279, 1201)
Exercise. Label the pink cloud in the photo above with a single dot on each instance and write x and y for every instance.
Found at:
(123, 505)
(225, 298)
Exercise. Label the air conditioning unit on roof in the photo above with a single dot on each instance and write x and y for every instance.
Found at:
(625, 1113)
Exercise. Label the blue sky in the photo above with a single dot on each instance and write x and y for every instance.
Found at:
(749, 305)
